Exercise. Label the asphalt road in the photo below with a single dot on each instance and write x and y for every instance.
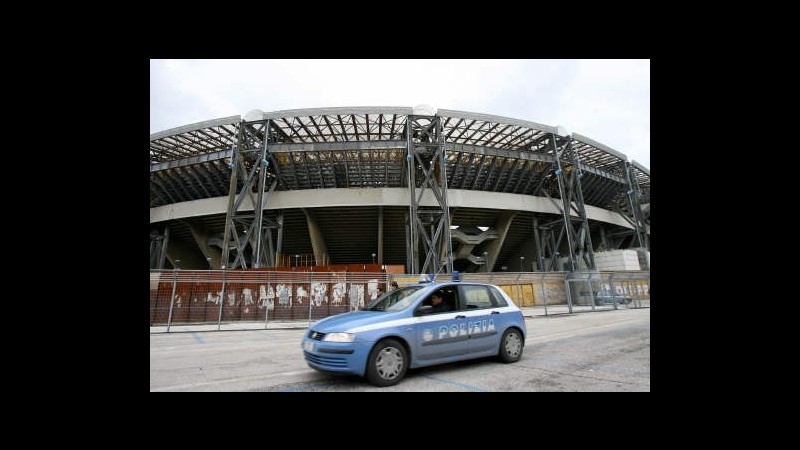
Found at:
(600, 351)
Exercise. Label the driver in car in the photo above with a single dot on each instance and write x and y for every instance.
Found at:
(439, 305)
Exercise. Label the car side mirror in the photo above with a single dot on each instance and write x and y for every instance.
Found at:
(422, 310)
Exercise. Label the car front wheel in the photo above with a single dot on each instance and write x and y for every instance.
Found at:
(387, 363)
(511, 346)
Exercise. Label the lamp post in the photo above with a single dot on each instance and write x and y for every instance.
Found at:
(210, 267)
(296, 258)
(522, 264)
(486, 260)
(373, 258)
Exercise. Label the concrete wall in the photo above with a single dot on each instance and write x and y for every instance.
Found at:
(533, 294)
(319, 198)
(617, 260)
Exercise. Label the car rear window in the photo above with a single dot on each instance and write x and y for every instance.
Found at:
(497, 297)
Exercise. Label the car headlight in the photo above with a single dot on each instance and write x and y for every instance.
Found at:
(339, 337)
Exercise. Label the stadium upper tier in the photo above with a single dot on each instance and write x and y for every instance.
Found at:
(363, 147)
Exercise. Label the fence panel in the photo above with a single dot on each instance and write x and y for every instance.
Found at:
(258, 297)
(232, 297)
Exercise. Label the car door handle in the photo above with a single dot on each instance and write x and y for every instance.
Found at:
(461, 317)
(495, 312)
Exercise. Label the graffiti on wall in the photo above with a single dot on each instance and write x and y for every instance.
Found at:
(372, 288)
(247, 299)
(284, 294)
(214, 298)
(318, 291)
(266, 298)
(339, 291)
(357, 295)
(301, 292)
(247, 296)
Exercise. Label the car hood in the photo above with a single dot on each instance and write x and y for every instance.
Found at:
(348, 321)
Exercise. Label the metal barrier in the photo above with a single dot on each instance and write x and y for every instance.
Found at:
(252, 299)
(607, 290)
(557, 291)
(220, 297)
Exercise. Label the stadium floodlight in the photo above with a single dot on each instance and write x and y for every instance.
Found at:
(253, 115)
(424, 110)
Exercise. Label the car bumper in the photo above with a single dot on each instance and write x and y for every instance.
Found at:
(336, 357)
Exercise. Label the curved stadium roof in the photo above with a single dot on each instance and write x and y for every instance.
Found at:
(188, 162)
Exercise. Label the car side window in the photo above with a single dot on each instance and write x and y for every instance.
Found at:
(477, 297)
(497, 298)
(451, 297)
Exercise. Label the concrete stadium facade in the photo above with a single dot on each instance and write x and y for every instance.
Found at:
(429, 190)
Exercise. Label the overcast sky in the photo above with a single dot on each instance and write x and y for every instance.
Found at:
(605, 100)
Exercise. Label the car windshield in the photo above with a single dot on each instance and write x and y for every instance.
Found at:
(396, 300)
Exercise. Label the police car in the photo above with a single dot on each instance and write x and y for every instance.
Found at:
(402, 330)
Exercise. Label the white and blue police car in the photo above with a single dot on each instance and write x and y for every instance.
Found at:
(402, 329)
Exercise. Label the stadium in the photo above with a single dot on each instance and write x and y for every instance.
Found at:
(407, 190)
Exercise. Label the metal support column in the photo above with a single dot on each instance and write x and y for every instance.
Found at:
(427, 160)
(636, 208)
(230, 227)
(587, 236)
(164, 245)
(538, 243)
(279, 244)
(569, 176)
(250, 156)
(411, 236)
(258, 208)
(603, 241)
(270, 249)
(554, 255)
(565, 201)
(155, 246)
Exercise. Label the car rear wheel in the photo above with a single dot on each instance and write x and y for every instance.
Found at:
(387, 363)
(511, 346)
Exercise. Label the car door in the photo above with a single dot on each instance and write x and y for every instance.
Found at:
(441, 335)
(482, 314)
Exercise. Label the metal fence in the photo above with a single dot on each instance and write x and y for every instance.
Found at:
(242, 299)
(563, 292)
(590, 291)
(230, 296)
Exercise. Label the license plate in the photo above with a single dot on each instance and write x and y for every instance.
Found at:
(308, 346)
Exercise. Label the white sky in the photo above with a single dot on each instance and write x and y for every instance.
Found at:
(605, 100)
